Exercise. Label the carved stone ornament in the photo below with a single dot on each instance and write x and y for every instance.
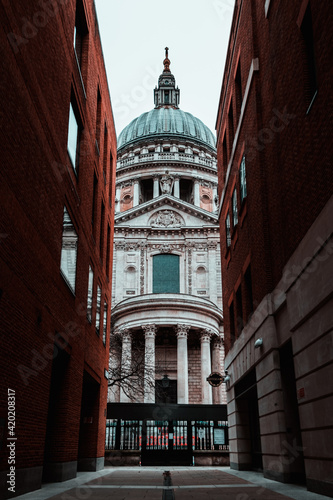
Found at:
(150, 330)
(125, 333)
(166, 248)
(182, 331)
(166, 183)
(206, 336)
(166, 218)
(126, 184)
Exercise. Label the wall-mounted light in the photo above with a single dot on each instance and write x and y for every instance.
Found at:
(227, 377)
(258, 343)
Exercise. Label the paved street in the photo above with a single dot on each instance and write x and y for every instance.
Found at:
(174, 483)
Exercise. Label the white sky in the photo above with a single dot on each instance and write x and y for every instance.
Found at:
(134, 35)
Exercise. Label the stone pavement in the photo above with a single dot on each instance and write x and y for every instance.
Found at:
(170, 483)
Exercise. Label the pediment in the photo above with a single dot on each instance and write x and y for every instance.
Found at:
(166, 212)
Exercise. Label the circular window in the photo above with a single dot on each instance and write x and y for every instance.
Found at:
(205, 198)
(127, 199)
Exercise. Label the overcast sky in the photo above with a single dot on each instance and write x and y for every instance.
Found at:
(134, 35)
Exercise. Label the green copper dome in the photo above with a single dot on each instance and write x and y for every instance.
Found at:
(166, 122)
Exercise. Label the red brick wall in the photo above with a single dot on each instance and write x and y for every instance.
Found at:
(194, 377)
(37, 180)
(288, 151)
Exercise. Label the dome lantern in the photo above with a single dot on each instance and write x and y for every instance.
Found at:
(166, 94)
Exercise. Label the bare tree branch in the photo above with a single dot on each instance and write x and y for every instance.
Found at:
(134, 374)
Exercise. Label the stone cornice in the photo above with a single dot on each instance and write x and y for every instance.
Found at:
(168, 309)
(154, 165)
(165, 248)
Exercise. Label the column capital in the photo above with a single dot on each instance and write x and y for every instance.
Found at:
(206, 336)
(125, 334)
(150, 331)
(217, 342)
(182, 331)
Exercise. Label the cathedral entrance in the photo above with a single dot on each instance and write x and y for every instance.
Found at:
(166, 434)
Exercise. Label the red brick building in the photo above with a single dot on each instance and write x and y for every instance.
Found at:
(275, 155)
(58, 158)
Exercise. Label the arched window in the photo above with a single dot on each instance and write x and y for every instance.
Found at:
(166, 273)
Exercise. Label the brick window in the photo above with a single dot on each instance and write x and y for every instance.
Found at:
(108, 256)
(238, 90)
(239, 307)
(94, 203)
(98, 309)
(74, 133)
(242, 180)
(225, 152)
(234, 208)
(105, 321)
(90, 293)
(231, 128)
(232, 323)
(68, 251)
(248, 292)
(101, 239)
(228, 230)
(311, 74)
(80, 34)
(98, 120)
(105, 153)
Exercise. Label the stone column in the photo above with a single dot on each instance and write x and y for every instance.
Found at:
(136, 193)
(206, 389)
(156, 191)
(216, 367)
(196, 193)
(117, 207)
(182, 364)
(126, 361)
(149, 374)
(176, 189)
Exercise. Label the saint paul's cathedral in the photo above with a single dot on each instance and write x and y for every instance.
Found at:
(167, 323)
